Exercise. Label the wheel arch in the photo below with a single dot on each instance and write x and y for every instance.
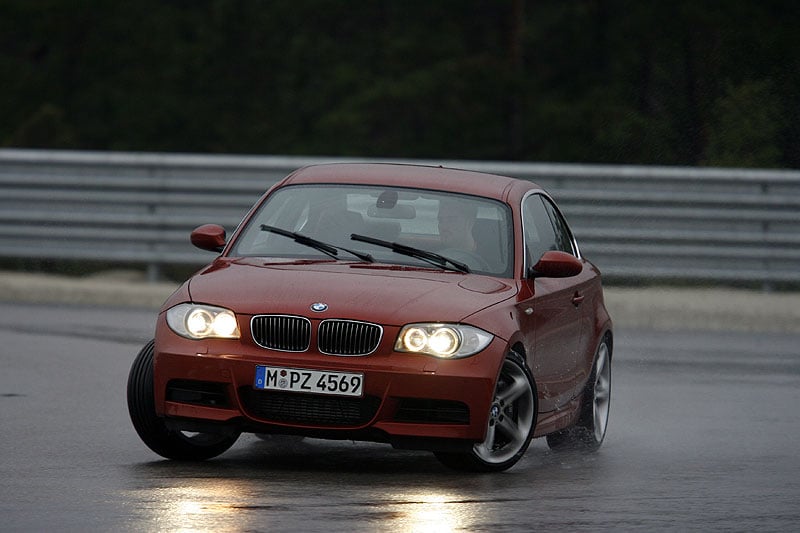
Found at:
(519, 350)
(517, 347)
(608, 337)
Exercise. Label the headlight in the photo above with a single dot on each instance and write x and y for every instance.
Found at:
(195, 321)
(448, 341)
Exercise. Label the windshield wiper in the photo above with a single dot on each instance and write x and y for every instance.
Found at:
(429, 257)
(324, 247)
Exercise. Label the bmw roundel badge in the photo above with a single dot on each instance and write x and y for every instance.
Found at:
(319, 307)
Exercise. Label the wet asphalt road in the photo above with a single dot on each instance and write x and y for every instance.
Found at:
(703, 436)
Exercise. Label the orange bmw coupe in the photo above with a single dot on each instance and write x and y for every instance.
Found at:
(425, 307)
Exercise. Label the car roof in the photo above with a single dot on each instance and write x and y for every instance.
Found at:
(415, 176)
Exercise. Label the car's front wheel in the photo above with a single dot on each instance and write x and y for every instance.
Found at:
(153, 430)
(512, 418)
(590, 430)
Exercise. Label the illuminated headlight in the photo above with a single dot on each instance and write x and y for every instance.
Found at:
(195, 321)
(448, 341)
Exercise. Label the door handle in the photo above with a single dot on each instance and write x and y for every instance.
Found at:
(577, 299)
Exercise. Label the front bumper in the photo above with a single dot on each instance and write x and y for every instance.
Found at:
(408, 399)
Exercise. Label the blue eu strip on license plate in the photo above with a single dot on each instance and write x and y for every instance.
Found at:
(309, 381)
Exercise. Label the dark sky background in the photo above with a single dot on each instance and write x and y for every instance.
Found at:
(603, 81)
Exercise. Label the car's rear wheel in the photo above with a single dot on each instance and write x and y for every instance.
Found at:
(153, 430)
(512, 419)
(589, 431)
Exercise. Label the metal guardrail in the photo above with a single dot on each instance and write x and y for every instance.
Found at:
(633, 222)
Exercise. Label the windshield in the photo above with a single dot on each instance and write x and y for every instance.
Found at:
(469, 229)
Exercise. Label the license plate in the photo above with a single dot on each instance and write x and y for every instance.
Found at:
(310, 381)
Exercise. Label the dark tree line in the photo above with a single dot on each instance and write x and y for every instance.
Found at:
(691, 82)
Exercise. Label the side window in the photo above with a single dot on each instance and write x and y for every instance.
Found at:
(540, 236)
(562, 232)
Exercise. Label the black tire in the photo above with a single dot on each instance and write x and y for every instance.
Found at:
(511, 423)
(152, 429)
(589, 431)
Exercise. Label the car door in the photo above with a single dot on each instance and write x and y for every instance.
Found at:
(551, 309)
(585, 290)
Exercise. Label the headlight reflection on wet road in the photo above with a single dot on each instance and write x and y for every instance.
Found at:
(201, 505)
(432, 512)
(227, 505)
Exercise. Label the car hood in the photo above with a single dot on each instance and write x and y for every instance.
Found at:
(385, 294)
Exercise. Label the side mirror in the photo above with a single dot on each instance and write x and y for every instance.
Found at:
(210, 237)
(554, 264)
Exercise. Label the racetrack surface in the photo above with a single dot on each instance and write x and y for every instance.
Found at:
(703, 436)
